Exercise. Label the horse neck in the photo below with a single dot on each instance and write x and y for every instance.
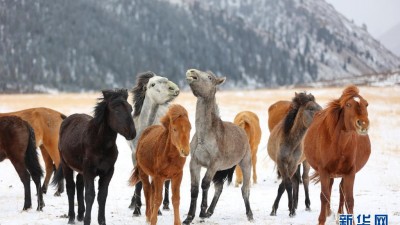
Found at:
(148, 114)
(103, 130)
(298, 129)
(206, 113)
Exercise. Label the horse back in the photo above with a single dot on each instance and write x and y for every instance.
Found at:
(232, 140)
(250, 123)
(276, 112)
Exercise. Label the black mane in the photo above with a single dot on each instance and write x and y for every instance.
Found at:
(100, 109)
(139, 91)
(299, 100)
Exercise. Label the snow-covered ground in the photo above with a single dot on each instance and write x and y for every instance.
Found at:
(377, 185)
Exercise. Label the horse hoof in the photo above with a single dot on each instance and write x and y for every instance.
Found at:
(71, 221)
(250, 218)
(166, 207)
(308, 209)
(188, 220)
(136, 212)
(203, 215)
(159, 213)
(292, 214)
(79, 218)
(273, 213)
(131, 206)
(57, 194)
(27, 207)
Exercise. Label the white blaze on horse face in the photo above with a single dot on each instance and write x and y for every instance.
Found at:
(357, 99)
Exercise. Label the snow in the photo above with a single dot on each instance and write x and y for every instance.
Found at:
(376, 190)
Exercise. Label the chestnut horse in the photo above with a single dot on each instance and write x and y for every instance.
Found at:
(87, 146)
(17, 143)
(284, 147)
(250, 123)
(161, 154)
(46, 124)
(337, 145)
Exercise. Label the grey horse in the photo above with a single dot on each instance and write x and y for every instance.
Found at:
(216, 145)
(151, 97)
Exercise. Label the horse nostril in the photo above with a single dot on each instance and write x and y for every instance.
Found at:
(177, 92)
(192, 70)
(359, 123)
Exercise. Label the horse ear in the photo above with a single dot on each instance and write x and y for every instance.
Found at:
(220, 80)
(106, 94)
(295, 94)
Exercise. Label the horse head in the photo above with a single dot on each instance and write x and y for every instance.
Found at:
(203, 84)
(161, 90)
(309, 108)
(354, 109)
(177, 122)
(119, 113)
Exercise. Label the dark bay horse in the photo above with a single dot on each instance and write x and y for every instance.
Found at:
(217, 145)
(46, 124)
(87, 146)
(251, 124)
(17, 143)
(284, 147)
(161, 154)
(337, 145)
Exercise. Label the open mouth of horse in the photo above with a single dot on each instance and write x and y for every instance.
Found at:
(362, 131)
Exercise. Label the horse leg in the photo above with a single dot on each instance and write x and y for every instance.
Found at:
(205, 185)
(218, 190)
(329, 210)
(239, 176)
(281, 189)
(289, 189)
(176, 185)
(194, 190)
(26, 181)
(324, 196)
(306, 182)
(341, 202)
(166, 195)
(89, 196)
(104, 181)
(136, 199)
(79, 192)
(245, 165)
(49, 168)
(36, 180)
(157, 184)
(348, 185)
(147, 189)
(296, 182)
(70, 185)
(254, 163)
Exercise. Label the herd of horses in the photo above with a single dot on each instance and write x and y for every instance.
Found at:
(333, 141)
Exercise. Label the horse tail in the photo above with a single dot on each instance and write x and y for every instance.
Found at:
(315, 177)
(134, 179)
(222, 175)
(31, 156)
(58, 176)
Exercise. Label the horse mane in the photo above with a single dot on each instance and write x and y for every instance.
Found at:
(100, 109)
(175, 111)
(335, 106)
(299, 100)
(139, 91)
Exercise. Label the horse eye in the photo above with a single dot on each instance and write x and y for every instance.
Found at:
(153, 84)
(348, 104)
(209, 77)
(175, 129)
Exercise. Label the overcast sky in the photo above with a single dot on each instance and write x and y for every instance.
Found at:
(378, 15)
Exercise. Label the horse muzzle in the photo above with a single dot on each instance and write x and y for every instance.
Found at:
(362, 127)
(183, 153)
(191, 75)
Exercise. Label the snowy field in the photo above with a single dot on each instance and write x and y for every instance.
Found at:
(377, 185)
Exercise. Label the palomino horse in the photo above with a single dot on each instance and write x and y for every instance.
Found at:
(337, 145)
(216, 145)
(17, 143)
(161, 154)
(250, 123)
(46, 124)
(276, 113)
(151, 97)
(284, 147)
(87, 146)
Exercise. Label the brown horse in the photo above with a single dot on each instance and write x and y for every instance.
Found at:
(250, 123)
(276, 113)
(337, 145)
(284, 147)
(46, 124)
(87, 146)
(17, 143)
(161, 154)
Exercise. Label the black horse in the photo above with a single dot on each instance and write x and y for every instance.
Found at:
(17, 143)
(87, 146)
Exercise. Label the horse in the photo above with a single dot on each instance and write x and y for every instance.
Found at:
(276, 113)
(151, 97)
(216, 145)
(87, 146)
(46, 125)
(337, 145)
(17, 143)
(284, 148)
(250, 123)
(161, 154)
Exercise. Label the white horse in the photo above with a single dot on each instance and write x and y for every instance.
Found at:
(151, 97)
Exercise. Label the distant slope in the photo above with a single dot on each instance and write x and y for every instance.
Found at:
(391, 39)
(96, 44)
